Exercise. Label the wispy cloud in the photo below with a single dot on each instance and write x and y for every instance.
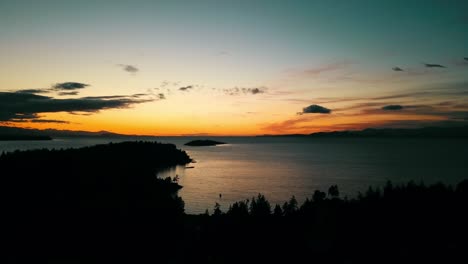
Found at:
(186, 88)
(244, 90)
(129, 68)
(392, 107)
(64, 88)
(69, 86)
(68, 93)
(397, 69)
(401, 95)
(49, 121)
(431, 65)
(33, 91)
(292, 125)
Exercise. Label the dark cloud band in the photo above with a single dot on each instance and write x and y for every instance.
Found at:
(21, 106)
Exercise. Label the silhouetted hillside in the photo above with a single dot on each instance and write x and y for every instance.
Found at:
(394, 132)
(441, 132)
(5, 131)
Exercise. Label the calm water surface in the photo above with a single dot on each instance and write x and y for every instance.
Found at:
(282, 167)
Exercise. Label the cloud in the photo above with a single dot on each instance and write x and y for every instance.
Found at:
(290, 125)
(65, 88)
(49, 121)
(68, 93)
(430, 65)
(255, 90)
(397, 69)
(106, 97)
(402, 95)
(69, 86)
(150, 93)
(244, 90)
(15, 107)
(33, 91)
(392, 107)
(129, 68)
(315, 109)
(462, 62)
(186, 88)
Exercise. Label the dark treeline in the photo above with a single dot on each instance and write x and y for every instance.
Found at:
(104, 204)
(410, 223)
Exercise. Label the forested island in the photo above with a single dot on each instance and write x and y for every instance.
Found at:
(201, 143)
(106, 204)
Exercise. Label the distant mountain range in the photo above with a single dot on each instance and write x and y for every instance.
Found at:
(16, 133)
(388, 132)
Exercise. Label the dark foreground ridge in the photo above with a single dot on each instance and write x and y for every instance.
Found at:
(201, 143)
(104, 204)
(98, 203)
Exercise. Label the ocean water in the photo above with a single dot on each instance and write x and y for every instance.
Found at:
(282, 167)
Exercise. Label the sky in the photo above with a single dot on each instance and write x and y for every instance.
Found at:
(232, 67)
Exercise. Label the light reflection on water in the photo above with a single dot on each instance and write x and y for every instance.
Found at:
(282, 167)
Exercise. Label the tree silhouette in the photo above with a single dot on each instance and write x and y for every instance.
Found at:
(319, 196)
(217, 210)
(290, 207)
(333, 191)
(239, 209)
(260, 207)
(277, 211)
